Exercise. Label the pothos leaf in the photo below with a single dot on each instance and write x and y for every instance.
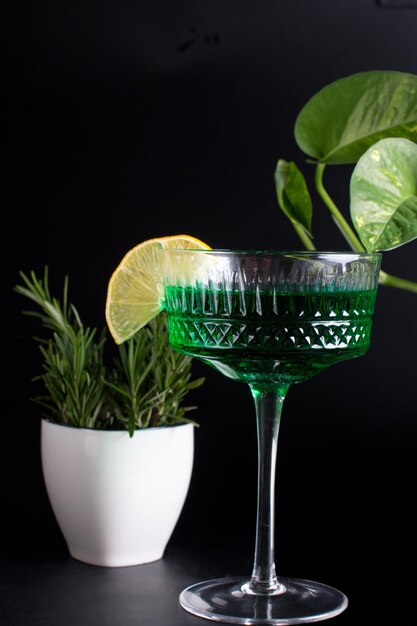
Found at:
(293, 195)
(383, 192)
(340, 122)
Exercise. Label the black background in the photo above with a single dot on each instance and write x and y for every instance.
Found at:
(130, 120)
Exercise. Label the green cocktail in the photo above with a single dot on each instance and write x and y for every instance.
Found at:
(269, 336)
(268, 319)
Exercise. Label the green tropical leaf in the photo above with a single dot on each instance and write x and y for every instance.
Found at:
(383, 193)
(293, 195)
(340, 122)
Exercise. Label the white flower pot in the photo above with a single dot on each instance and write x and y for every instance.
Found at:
(117, 498)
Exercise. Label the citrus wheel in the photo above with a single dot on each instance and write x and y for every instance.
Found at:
(135, 292)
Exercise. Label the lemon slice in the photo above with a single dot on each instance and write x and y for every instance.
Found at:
(135, 291)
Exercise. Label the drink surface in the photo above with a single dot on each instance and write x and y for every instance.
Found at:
(270, 336)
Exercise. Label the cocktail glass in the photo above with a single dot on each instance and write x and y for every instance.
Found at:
(268, 319)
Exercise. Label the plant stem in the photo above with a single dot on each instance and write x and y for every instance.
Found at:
(384, 279)
(344, 226)
(399, 283)
(305, 239)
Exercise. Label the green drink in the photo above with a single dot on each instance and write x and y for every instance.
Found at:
(268, 319)
(278, 336)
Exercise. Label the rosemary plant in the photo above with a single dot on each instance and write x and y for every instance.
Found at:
(73, 371)
(145, 386)
(150, 381)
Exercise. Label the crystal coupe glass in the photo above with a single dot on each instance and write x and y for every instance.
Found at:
(268, 319)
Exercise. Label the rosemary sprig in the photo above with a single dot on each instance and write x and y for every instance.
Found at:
(146, 385)
(72, 357)
(150, 381)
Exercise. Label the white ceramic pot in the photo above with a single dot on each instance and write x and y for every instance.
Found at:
(117, 498)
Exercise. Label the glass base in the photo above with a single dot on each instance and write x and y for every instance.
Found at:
(299, 602)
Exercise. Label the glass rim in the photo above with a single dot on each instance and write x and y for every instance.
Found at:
(285, 253)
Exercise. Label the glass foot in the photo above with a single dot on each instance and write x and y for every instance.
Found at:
(301, 601)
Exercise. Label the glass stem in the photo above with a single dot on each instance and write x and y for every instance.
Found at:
(268, 403)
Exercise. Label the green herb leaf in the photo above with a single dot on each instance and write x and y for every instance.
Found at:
(147, 386)
(293, 195)
(340, 122)
(150, 381)
(384, 194)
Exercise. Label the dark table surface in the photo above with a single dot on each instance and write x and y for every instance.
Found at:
(366, 546)
(41, 585)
